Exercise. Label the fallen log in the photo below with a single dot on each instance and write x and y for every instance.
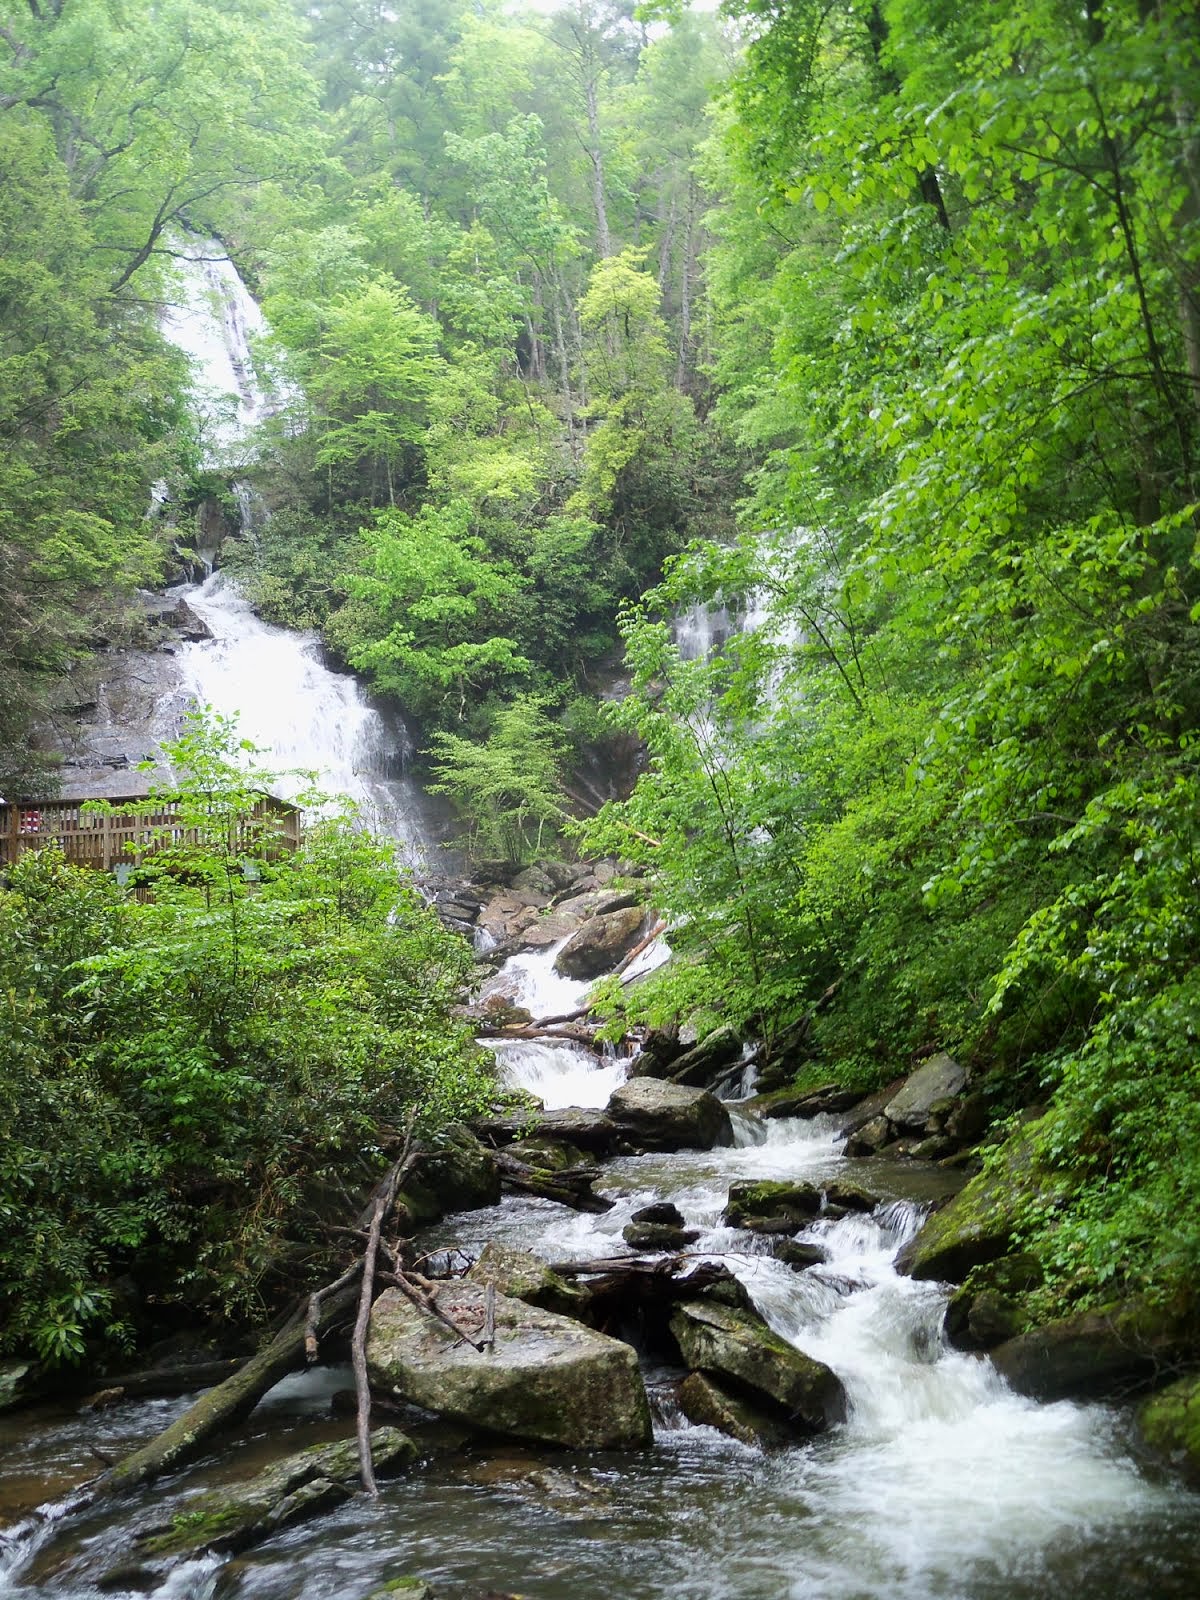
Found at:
(229, 1403)
(234, 1399)
(570, 1187)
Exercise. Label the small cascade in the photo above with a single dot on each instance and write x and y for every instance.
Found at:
(559, 1074)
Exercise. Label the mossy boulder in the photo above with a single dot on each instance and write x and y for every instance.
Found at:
(658, 1236)
(1105, 1354)
(940, 1078)
(977, 1226)
(293, 1490)
(545, 1378)
(523, 1276)
(770, 1207)
(704, 1402)
(455, 1173)
(703, 1064)
(549, 1155)
(404, 1589)
(1169, 1422)
(737, 1348)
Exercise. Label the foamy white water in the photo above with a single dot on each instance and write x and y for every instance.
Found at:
(560, 1075)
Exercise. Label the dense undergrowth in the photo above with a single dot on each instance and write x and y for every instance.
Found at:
(194, 1085)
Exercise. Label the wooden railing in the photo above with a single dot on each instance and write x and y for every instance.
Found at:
(106, 839)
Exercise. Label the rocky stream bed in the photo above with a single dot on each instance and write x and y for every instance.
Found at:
(702, 1377)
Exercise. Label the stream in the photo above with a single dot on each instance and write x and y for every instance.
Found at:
(941, 1485)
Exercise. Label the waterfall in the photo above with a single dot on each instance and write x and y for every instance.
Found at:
(305, 717)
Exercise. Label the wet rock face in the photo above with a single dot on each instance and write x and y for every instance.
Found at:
(704, 1402)
(546, 1379)
(600, 944)
(939, 1078)
(1170, 1425)
(301, 1486)
(737, 1347)
(456, 1174)
(666, 1116)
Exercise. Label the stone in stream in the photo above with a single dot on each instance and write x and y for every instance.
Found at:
(737, 1347)
(850, 1196)
(658, 1236)
(872, 1137)
(545, 1379)
(523, 1276)
(600, 943)
(703, 1401)
(977, 1226)
(667, 1116)
(1107, 1354)
(594, 1131)
(549, 1155)
(770, 1207)
(293, 1490)
(455, 1173)
(799, 1255)
(939, 1078)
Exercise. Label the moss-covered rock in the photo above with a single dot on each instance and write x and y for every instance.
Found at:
(704, 1402)
(977, 1226)
(293, 1490)
(737, 1347)
(771, 1207)
(408, 1588)
(549, 1155)
(457, 1173)
(545, 1378)
(524, 1276)
(1170, 1425)
(1104, 1354)
(658, 1236)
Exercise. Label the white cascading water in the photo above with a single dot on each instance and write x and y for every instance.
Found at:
(309, 719)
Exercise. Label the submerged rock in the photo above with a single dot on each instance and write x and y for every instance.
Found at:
(293, 1490)
(704, 1402)
(667, 1116)
(738, 1347)
(546, 1378)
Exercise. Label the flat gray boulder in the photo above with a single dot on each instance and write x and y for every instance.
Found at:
(600, 943)
(656, 1115)
(545, 1378)
(939, 1078)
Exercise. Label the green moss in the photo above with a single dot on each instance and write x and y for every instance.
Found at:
(1170, 1425)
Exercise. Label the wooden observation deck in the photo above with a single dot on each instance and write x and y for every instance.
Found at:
(107, 840)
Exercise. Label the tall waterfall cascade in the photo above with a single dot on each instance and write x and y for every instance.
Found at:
(305, 717)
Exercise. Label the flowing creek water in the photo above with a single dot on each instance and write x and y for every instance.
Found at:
(941, 1485)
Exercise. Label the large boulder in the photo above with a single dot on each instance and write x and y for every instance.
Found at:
(704, 1402)
(1170, 1425)
(295, 1489)
(521, 1275)
(600, 943)
(667, 1116)
(939, 1078)
(1097, 1355)
(977, 1226)
(737, 1347)
(545, 1378)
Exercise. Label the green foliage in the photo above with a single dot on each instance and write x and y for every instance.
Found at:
(190, 1080)
(510, 785)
